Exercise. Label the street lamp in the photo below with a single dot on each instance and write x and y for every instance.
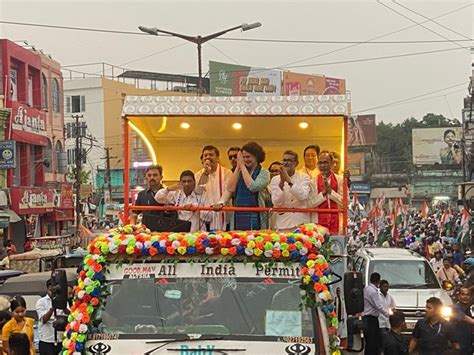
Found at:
(199, 40)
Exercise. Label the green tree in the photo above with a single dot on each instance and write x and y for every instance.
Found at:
(84, 176)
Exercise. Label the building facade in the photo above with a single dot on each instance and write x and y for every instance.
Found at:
(32, 89)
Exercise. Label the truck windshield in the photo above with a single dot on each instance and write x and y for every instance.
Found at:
(207, 306)
(405, 273)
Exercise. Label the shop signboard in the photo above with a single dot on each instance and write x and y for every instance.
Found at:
(7, 154)
(33, 200)
(28, 124)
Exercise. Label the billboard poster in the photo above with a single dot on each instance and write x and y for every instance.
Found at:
(238, 80)
(355, 164)
(362, 130)
(310, 84)
(437, 146)
(334, 86)
(298, 84)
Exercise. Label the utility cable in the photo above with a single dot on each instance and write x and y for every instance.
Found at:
(421, 24)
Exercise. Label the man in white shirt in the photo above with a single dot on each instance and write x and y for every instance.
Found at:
(310, 155)
(184, 194)
(388, 304)
(213, 179)
(48, 345)
(290, 189)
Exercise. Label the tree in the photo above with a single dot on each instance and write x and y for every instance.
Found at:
(84, 176)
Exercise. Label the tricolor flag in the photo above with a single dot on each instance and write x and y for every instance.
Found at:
(464, 217)
(424, 210)
(355, 202)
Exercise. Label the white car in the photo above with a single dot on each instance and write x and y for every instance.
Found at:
(411, 278)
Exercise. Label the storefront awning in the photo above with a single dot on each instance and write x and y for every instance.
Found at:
(10, 214)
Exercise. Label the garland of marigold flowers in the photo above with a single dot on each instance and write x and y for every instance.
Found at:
(304, 245)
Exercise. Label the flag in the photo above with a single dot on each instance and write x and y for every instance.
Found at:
(444, 219)
(424, 210)
(464, 218)
(364, 226)
(397, 219)
(355, 202)
(398, 212)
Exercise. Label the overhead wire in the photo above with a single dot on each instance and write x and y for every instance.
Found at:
(240, 39)
(433, 21)
(420, 24)
(411, 98)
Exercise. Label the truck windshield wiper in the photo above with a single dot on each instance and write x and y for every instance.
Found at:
(187, 338)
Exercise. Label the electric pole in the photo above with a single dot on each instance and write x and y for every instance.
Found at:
(78, 165)
(107, 176)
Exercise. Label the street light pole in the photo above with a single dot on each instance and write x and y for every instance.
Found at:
(199, 40)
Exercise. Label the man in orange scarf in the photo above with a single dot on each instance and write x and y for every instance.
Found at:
(328, 188)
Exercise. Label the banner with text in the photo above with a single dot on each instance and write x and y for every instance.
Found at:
(237, 80)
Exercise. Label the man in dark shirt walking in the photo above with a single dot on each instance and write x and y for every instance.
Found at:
(433, 335)
(153, 176)
(393, 341)
(462, 320)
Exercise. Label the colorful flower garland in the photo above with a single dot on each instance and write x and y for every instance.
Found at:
(303, 245)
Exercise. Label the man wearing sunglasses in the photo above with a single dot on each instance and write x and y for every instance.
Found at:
(153, 177)
(232, 155)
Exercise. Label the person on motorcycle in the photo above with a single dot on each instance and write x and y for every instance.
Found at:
(447, 275)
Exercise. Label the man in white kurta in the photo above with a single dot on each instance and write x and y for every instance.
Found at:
(290, 189)
(214, 179)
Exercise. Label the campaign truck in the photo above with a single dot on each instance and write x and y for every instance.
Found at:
(215, 292)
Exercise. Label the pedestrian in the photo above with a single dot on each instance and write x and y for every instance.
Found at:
(388, 304)
(372, 309)
(447, 275)
(458, 256)
(393, 341)
(19, 344)
(18, 324)
(5, 316)
(49, 339)
(437, 261)
(432, 335)
(462, 320)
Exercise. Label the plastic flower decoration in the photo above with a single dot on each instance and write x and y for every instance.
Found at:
(136, 241)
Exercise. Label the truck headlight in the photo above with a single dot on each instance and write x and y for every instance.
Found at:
(446, 312)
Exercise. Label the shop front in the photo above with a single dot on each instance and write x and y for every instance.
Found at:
(43, 211)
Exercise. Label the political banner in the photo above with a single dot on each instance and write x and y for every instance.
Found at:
(362, 130)
(437, 146)
(238, 80)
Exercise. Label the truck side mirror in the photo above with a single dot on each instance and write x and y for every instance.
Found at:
(353, 293)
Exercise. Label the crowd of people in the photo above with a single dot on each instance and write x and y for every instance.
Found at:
(317, 184)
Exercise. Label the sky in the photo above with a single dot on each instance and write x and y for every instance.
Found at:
(393, 88)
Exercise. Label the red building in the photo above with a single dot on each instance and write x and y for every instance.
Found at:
(32, 86)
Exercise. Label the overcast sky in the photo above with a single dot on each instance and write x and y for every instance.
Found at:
(372, 83)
